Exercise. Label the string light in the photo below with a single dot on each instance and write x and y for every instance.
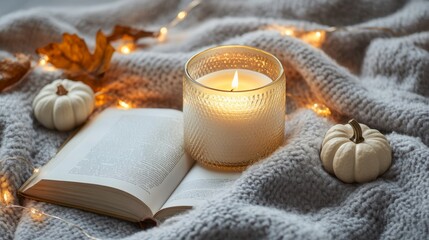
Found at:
(283, 30)
(36, 215)
(6, 199)
(288, 32)
(316, 37)
(162, 33)
(43, 60)
(125, 49)
(181, 15)
(44, 63)
(39, 216)
(104, 98)
(123, 105)
(320, 109)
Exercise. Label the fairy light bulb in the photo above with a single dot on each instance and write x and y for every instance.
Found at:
(44, 63)
(124, 105)
(125, 49)
(43, 60)
(7, 197)
(314, 38)
(181, 15)
(162, 34)
(320, 109)
(288, 32)
(36, 214)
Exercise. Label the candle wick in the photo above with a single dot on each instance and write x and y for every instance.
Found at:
(232, 90)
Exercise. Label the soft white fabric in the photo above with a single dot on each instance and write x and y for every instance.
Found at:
(380, 79)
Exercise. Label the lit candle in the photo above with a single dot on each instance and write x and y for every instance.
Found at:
(234, 80)
(234, 106)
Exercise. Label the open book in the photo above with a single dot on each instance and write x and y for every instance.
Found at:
(129, 164)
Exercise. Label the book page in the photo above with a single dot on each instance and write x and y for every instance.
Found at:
(139, 151)
(199, 185)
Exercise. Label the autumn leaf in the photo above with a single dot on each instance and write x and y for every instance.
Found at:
(73, 56)
(129, 33)
(12, 70)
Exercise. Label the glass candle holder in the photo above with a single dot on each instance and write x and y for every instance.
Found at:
(233, 106)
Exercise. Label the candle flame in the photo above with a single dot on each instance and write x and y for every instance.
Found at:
(235, 81)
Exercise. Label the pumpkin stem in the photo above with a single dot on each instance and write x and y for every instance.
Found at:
(357, 132)
(61, 90)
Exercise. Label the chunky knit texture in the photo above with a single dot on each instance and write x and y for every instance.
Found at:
(380, 79)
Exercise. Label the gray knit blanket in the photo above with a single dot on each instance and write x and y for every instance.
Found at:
(378, 77)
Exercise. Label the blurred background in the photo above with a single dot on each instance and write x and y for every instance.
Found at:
(8, 6)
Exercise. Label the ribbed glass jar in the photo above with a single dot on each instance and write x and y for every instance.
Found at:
(232, 129)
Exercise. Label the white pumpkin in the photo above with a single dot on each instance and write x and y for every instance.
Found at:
(63, 104)
(355, 153)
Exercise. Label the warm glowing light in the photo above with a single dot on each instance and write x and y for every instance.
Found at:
(100, 99)
(288, 32)
(163, 30)
(44, 63)
(7, 197)
(162, 34)
(235, 81)
(43, 60)
(320, 109)
(284, 31)
(36, 214)
(181, 15)
(36, 170)
(315, 38)
(125, 49)
(123, 104)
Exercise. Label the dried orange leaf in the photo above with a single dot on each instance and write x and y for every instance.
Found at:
(12, 70)
(73, 56)
(129, 33)
(103, 53)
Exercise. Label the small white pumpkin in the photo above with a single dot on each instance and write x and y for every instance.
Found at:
(355, 153)
(63, 104)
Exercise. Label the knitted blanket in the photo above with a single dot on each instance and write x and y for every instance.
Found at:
(378, 77)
